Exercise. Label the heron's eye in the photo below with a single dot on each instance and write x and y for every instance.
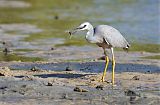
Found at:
(84, 26)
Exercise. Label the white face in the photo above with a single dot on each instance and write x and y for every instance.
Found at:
(84, 26)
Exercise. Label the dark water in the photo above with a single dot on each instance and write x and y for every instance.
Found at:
(94, 67)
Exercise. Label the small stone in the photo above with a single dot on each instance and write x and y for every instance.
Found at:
(132, 99)
(149, 71)
(78, 89)
(93, 79)
(3, 43)
(56, 17)
(64, 96)
(130, 93)
(35, 69)
(52, 48)
(99, 87)
(3, 87)
(68, 69)
(136, 77)
(101, 58)
(49, 84)
(5, 71)
(24, 86)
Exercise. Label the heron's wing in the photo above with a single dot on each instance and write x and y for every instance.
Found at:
(112, 36)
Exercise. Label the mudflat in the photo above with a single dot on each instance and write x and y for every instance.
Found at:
(36, 86)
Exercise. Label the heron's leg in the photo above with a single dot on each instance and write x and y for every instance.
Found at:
(106, 65)
(113, 66)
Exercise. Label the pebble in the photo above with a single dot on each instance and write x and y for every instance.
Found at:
(136, 77)
(35, 69)
(68, 69)
(5, 71)
(78, 89)
(99, 87)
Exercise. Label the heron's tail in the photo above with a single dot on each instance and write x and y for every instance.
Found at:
(126, 48)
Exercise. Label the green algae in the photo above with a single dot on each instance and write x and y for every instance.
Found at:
(14, 57)
(73, 42)
(152, 57)
(25, 50)
(154, 48)
(142, 47)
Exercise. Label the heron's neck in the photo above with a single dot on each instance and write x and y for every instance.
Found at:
(90, 35)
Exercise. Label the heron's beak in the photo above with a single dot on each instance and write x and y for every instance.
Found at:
(73, 32)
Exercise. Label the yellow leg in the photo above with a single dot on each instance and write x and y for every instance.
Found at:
(113, 68)
(105, 69)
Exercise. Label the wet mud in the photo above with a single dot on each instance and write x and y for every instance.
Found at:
(50, 83)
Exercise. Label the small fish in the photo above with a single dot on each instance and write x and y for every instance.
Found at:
(71, 33)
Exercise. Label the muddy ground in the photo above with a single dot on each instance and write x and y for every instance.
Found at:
(77, 83)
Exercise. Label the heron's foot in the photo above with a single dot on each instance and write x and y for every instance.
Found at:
(113, 85)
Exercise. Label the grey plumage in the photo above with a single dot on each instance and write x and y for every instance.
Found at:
(111, 36)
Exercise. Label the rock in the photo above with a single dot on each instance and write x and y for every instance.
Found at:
(132, 99)
(36, 69)
(99, 87)
(101, 58)
(131, 93)
(78, 89)
(136, 77)
(93, 79)
(3, 87)
(64, 96)
(49, 84)
(68, 69)
(149, 71)
(52, 48)
(5, 71)
(56, 17)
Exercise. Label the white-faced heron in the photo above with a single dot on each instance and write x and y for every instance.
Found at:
(106, 37)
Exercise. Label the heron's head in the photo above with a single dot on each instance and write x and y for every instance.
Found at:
(84, 26)
(81, 27)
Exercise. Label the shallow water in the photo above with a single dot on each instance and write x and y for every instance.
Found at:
(39, 25)
(94, 67)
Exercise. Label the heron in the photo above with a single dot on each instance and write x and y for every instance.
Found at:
(104, 36)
